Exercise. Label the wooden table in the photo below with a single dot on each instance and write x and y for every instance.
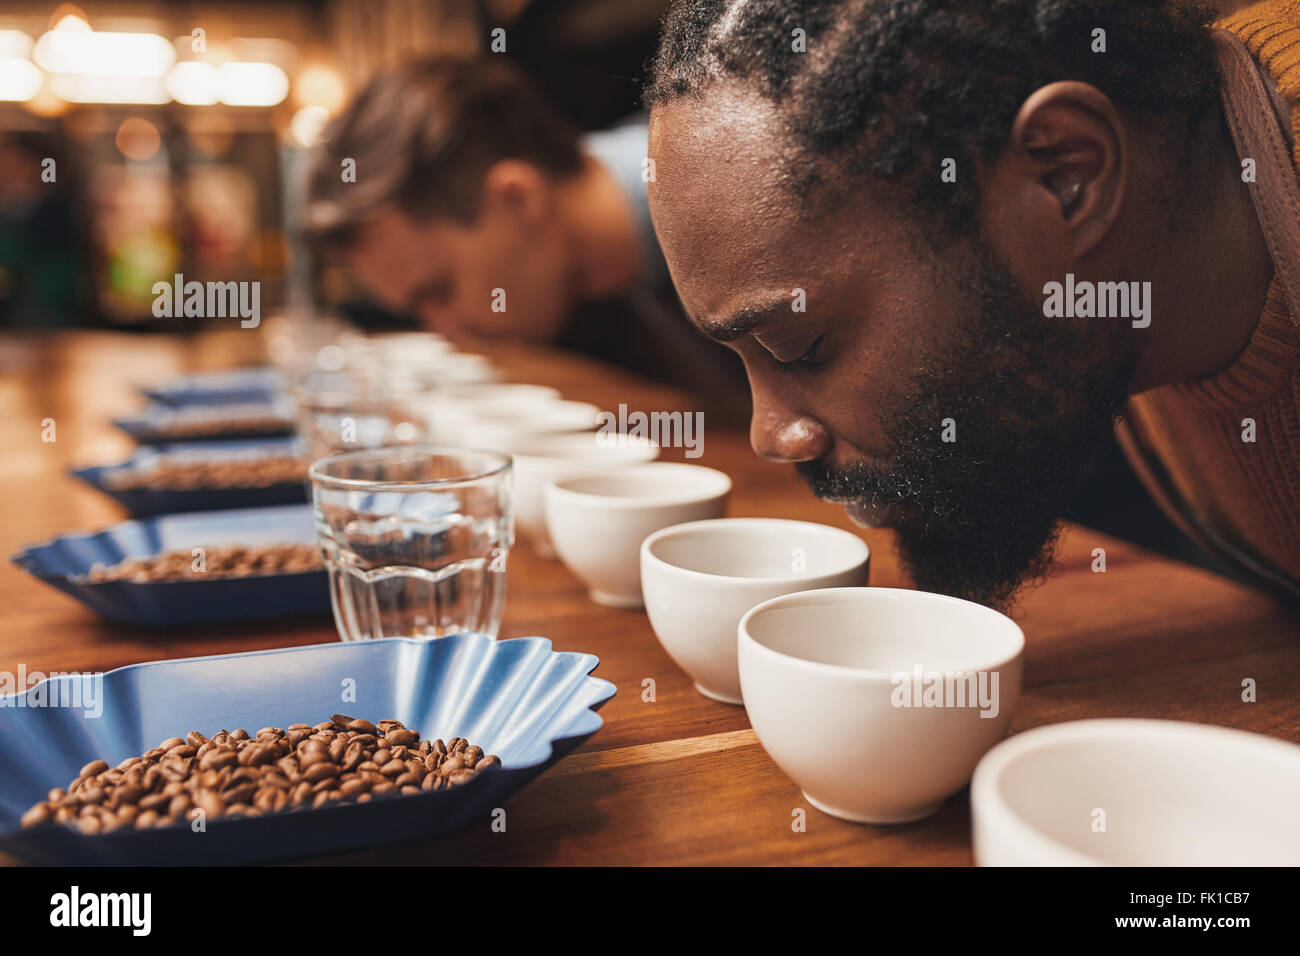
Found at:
(681, 779)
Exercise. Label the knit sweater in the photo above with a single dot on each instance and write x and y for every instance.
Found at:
(1222, 453)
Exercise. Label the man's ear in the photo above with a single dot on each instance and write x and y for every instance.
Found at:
(519, 189)
(1069, 138)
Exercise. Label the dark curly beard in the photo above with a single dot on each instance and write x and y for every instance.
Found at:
(1032, 399)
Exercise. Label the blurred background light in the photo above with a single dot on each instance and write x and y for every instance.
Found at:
(252, 84)
(103, 54)
(319, 85)
(137, 139)
(70, 17)
(193, 83)
(308, 124)
(15, 44)
(20, 80)
(84, 88)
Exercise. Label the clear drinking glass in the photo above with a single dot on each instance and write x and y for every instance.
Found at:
(415, 539)
(354, 410)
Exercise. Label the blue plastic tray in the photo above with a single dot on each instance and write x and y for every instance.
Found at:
(519, 699)
(148, 427)
(142, 502)
(219, 388)
(64, 562)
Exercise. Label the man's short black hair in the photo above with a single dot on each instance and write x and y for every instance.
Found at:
(423, 135)
(893, 87)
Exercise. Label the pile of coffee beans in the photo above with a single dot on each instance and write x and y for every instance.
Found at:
(233, 774)
(215, 422)
(228, 562)
(227, 473)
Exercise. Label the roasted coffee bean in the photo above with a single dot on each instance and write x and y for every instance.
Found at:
(452, 764)
(240, 794)
(401, 738)
(233, 774)
(352, 756)
(127, 793)
(320, 771)
(310, 758)
(147, 819)
(216, 759)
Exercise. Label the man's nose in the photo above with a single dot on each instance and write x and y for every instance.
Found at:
(439, 318)
(779, 433)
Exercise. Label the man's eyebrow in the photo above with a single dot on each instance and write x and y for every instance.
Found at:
(742, 322)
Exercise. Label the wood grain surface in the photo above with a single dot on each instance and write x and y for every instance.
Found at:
(680, 779)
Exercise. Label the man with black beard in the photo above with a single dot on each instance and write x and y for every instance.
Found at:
(870, 200)
(973, 515)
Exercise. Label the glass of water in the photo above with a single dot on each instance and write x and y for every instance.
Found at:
(415, 539)
(356, 410)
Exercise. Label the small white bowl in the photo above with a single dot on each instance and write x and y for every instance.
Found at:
(465, 369)
(1167, 792)
(835, 685)
(509, 423)
(700, 578)
(543, 459)
(470, 394)
(597, 522)
(451, 408)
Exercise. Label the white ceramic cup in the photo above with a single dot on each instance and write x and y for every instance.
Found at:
(699, 579)
(597, 522)
(835, 682)
(451, 408)
(1169, 793)
(506, 424)
(543, 459)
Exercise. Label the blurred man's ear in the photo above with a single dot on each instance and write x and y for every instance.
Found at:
(1068, 143)
(518, 189)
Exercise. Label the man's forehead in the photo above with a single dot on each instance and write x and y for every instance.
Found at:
(723, 121)
(723, 207)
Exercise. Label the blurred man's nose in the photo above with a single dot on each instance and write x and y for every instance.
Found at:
(780, 433)
(439, 318)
